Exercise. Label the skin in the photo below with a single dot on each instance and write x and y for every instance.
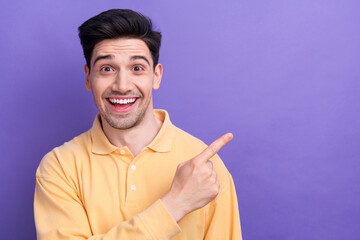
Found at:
(195, 183)
(123, 68)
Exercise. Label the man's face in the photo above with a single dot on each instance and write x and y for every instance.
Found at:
(122, 78)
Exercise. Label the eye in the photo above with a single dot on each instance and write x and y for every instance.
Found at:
(138, 68)
(106, 69)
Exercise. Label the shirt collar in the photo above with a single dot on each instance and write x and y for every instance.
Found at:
(163, 140)
(161, 143)
(100, 143)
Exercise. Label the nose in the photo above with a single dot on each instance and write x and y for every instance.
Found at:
(122, 82)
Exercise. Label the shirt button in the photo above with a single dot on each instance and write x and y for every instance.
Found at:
(133, 187)
(122, 152)
(133, 167)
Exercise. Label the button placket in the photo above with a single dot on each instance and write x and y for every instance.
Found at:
(131, 176)
(133, 168)
(133, 186)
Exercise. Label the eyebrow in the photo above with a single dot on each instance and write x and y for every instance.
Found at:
(103, 57)
(132, 58)
(140, 57)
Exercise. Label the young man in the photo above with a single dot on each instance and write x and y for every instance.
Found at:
(133, 175)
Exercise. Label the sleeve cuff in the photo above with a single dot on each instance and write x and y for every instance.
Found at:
(159, 222)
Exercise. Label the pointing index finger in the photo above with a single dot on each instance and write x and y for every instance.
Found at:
(214, 147)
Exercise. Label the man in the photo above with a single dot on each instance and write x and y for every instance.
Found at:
(133, 175)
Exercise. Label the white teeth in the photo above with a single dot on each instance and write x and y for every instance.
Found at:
(122, 101)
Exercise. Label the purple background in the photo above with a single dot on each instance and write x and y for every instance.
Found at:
(283, 76)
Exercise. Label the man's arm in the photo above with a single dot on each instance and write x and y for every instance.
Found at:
(60, 214)
(195, 183)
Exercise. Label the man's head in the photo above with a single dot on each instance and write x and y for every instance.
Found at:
(122, 51)
(119, 23)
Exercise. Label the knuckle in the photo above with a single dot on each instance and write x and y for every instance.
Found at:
(209, 172)
(193, 162)
(196, 165)
(214, 178)
(214, 191)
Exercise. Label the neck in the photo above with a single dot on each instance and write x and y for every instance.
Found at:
(137, 137)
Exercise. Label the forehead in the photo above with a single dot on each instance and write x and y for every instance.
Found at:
(121, 47)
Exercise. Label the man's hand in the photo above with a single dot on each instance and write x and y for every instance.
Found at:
(195, 183)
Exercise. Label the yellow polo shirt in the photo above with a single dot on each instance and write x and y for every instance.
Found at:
(90, 189)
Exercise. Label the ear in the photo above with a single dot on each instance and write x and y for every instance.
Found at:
(87, 77)
(157, 76)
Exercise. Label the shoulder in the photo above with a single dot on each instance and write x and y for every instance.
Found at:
(186, 140)
(60, 159)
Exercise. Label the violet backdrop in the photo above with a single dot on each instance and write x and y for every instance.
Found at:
(283, 76)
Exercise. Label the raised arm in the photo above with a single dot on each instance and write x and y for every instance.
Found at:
(195, 183)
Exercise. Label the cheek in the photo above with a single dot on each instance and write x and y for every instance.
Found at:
(149, 84)
(98, 88)
(147, 90)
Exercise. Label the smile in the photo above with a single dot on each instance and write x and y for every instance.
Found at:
(121, 100)
(122, 105)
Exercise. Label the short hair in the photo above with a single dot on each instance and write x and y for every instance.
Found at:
(119, 23)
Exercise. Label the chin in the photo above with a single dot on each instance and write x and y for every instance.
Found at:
(123, 122)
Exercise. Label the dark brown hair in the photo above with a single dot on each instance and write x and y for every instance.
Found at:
(118, 23)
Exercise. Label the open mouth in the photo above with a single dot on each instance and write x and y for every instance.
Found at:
(122, 104)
